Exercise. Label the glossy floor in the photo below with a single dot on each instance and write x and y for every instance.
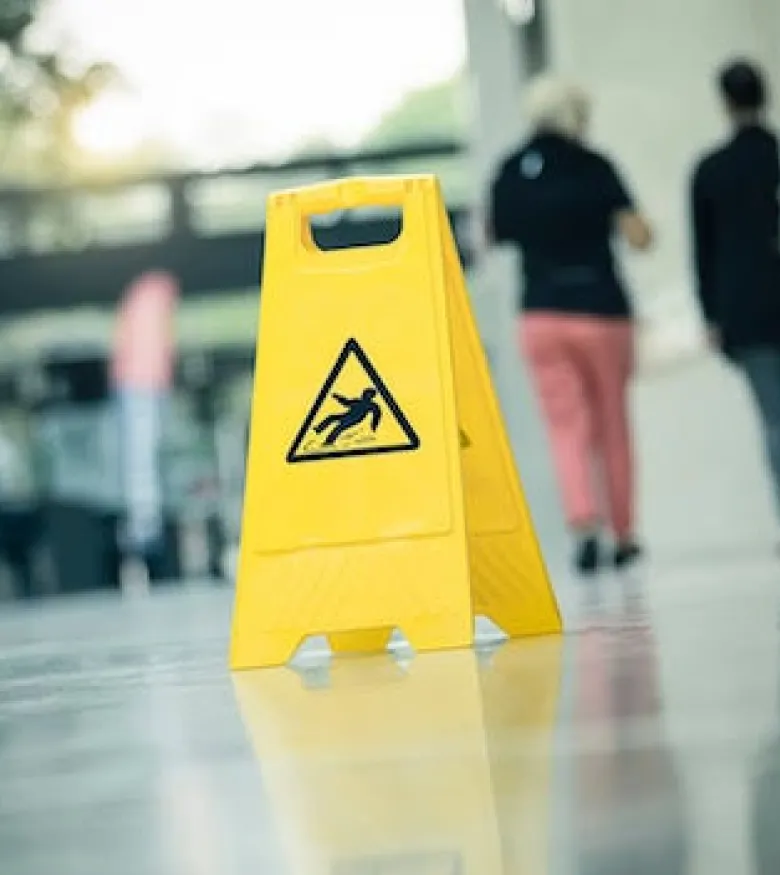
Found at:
(647, 740)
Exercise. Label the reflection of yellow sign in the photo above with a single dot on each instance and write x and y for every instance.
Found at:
(354, 415)
(361, 511)
(417, 864)
(441, 769)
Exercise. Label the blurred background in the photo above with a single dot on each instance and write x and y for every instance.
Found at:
(142, 139)
(139, 140)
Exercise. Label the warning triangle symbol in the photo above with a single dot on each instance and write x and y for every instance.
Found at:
(354, 414)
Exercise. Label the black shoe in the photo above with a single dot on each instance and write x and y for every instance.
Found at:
(587, 557)
(627, 554)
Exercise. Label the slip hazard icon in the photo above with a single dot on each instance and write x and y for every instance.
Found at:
(354, 414)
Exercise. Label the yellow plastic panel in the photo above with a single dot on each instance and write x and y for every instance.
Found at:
(370, 390)
(509, 579)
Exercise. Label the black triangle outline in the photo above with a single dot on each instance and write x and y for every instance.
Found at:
(352, 347)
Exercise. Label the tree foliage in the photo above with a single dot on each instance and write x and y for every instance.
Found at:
(15, 17)
(433, 113)
(40, 93)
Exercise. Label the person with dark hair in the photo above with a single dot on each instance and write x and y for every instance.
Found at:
(736, 246)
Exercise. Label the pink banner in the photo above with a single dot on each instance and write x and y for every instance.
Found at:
(144, 344)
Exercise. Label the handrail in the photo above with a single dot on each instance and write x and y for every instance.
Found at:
(88, 266)
(335, 160)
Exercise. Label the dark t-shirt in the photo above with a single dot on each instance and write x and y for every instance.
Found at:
(734, 207)
(556, 200)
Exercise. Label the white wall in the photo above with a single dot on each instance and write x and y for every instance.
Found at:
(650, 67)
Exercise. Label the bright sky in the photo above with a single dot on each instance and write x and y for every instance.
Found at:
(251, 78)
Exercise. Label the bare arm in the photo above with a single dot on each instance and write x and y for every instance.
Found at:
(628, 220)
(634, 229)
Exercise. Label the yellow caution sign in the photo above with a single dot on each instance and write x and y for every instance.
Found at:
(381, 490)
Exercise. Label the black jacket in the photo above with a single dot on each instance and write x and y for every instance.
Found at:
(734, 213)
(556, 201)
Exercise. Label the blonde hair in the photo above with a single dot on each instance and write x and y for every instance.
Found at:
(553, 103)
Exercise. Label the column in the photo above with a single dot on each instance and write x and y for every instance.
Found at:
(496, 80)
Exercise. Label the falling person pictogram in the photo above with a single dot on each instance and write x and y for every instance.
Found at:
(357, 410)
(354, 414)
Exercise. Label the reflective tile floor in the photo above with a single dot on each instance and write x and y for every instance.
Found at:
(647, 740)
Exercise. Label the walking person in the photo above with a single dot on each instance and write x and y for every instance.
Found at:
(561, 203)
(734, 213)
(142, 378)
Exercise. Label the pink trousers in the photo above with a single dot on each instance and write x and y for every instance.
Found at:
(581, 367)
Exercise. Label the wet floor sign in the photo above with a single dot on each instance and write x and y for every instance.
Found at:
(354, 415)
(381, 490)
